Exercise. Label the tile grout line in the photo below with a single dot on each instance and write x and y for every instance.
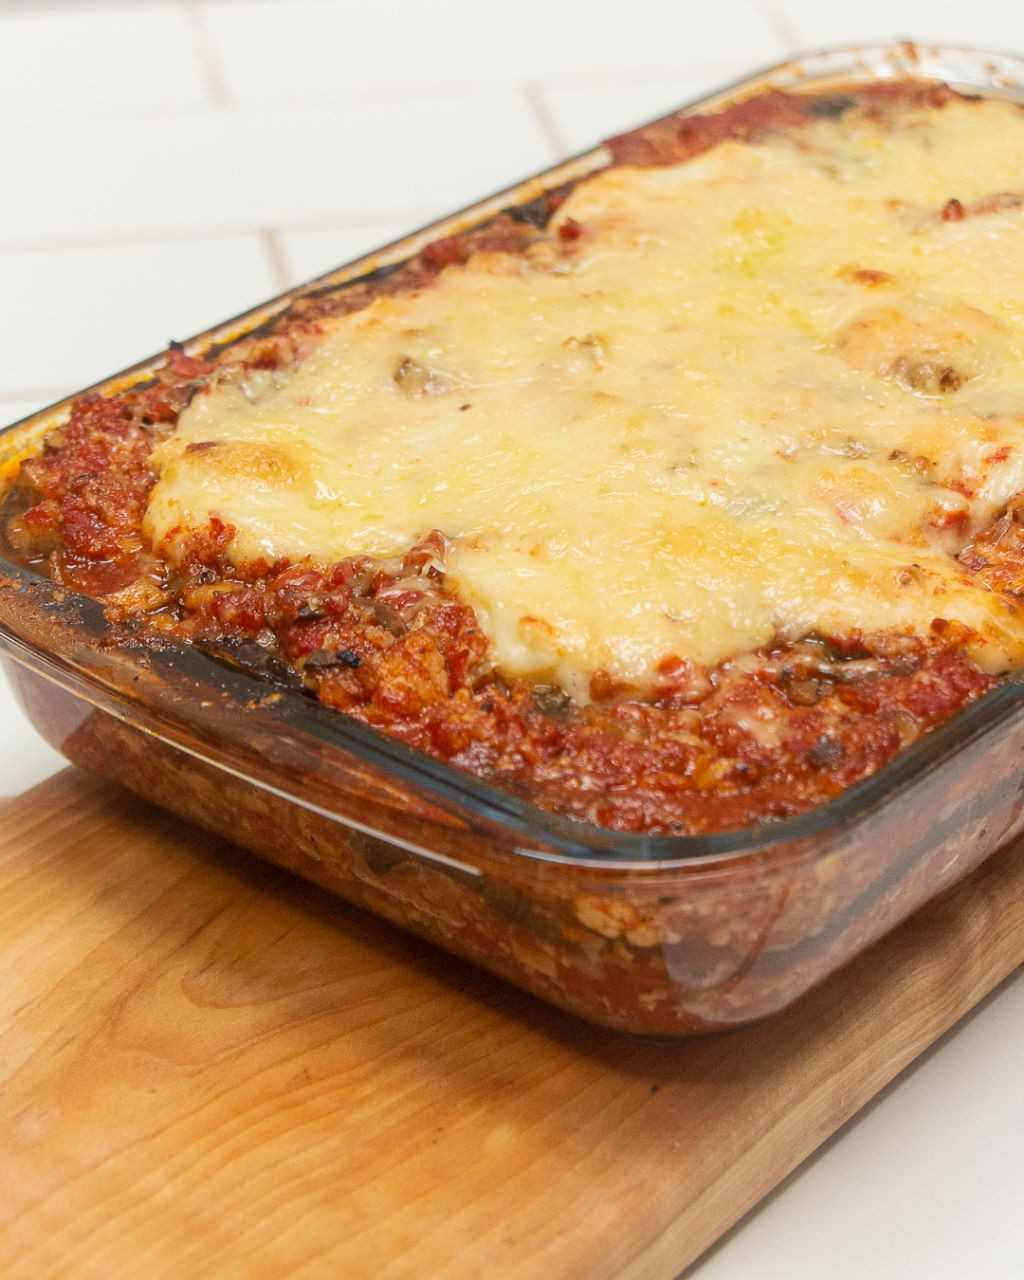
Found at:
(778, 20)
(378, 96)
(116, 114)
(165, 235)
(535, 100)
(271, 239)
(212, 77)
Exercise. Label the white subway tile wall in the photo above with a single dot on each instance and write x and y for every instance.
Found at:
(396, 47)
(240, 169)
(582, 114)
(308, 254)
(977, 24)
(87, 311)
(66, 61)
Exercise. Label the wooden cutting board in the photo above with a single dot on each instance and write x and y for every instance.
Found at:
(210, 1069)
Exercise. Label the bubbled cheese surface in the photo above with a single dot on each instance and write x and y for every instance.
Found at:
(769, 391)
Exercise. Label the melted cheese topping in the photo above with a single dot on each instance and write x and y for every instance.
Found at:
(770, 391)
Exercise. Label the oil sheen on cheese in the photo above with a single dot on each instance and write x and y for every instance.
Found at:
(769, 391)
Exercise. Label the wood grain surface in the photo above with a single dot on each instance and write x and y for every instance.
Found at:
(210, 1069)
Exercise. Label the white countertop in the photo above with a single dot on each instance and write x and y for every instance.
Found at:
(270, 140)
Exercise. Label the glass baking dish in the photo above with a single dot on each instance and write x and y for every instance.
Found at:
(658, 934)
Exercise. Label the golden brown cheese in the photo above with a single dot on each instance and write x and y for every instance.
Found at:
(770, 392)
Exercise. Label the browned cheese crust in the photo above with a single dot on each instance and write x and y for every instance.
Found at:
(759, 738)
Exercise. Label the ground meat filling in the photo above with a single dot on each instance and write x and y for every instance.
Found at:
(79, 506)
(759, 738)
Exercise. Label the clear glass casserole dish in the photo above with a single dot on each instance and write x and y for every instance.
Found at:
(657, 934)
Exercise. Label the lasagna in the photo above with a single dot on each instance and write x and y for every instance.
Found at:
(678, 500)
